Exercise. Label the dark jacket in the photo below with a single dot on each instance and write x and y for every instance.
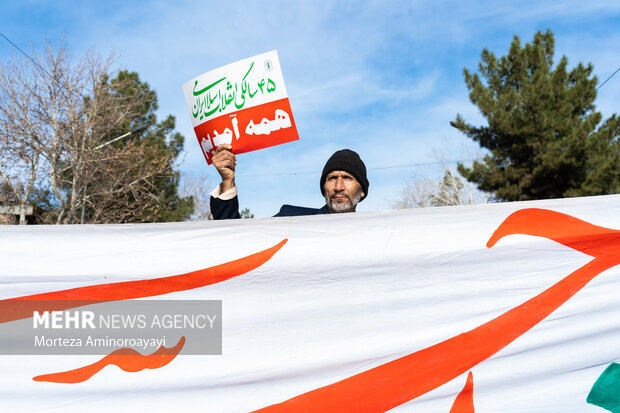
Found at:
(296, 211)
(229, 209)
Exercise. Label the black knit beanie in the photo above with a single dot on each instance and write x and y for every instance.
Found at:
(348, 161)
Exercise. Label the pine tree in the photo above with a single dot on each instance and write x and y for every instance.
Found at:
(542, 127)
(159, 145)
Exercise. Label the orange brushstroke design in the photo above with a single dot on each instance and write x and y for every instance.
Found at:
(12, 309)
(127, 359)
(464, 402)
(389, 385)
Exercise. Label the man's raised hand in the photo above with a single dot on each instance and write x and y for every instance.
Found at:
(225, 161)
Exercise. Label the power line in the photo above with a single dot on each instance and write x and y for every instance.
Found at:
(612, 75)
(25, 54)
(421, 164)
(378, 168)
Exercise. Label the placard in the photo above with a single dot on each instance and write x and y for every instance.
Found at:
(243, 104)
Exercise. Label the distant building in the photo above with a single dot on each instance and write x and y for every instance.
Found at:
(9, 214)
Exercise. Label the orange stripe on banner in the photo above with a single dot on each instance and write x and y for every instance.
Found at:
(564, 229)
(399, 381)
(12, 309)
(127, 359)
(464, 402)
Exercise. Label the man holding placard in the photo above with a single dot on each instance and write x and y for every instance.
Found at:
(243, 107)
(343, 184)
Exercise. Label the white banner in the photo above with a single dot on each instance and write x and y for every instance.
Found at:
(507, 307)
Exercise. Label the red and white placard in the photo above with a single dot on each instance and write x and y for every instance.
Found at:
(243, 104)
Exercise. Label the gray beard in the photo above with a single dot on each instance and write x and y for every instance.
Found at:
(345, 206)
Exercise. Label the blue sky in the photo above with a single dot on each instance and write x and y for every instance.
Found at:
(384, 78)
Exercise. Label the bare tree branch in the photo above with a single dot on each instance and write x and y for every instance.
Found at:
(52, 120)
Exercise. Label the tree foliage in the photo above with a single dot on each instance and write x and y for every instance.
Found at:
(450, 190)
(55, 117)
(542, 130)
(199, 188)
(137, 181)
(246, 214)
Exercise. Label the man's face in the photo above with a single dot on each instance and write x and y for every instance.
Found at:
(342, 192)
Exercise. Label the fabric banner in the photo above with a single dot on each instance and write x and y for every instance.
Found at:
(509, 307)
(243, 104)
